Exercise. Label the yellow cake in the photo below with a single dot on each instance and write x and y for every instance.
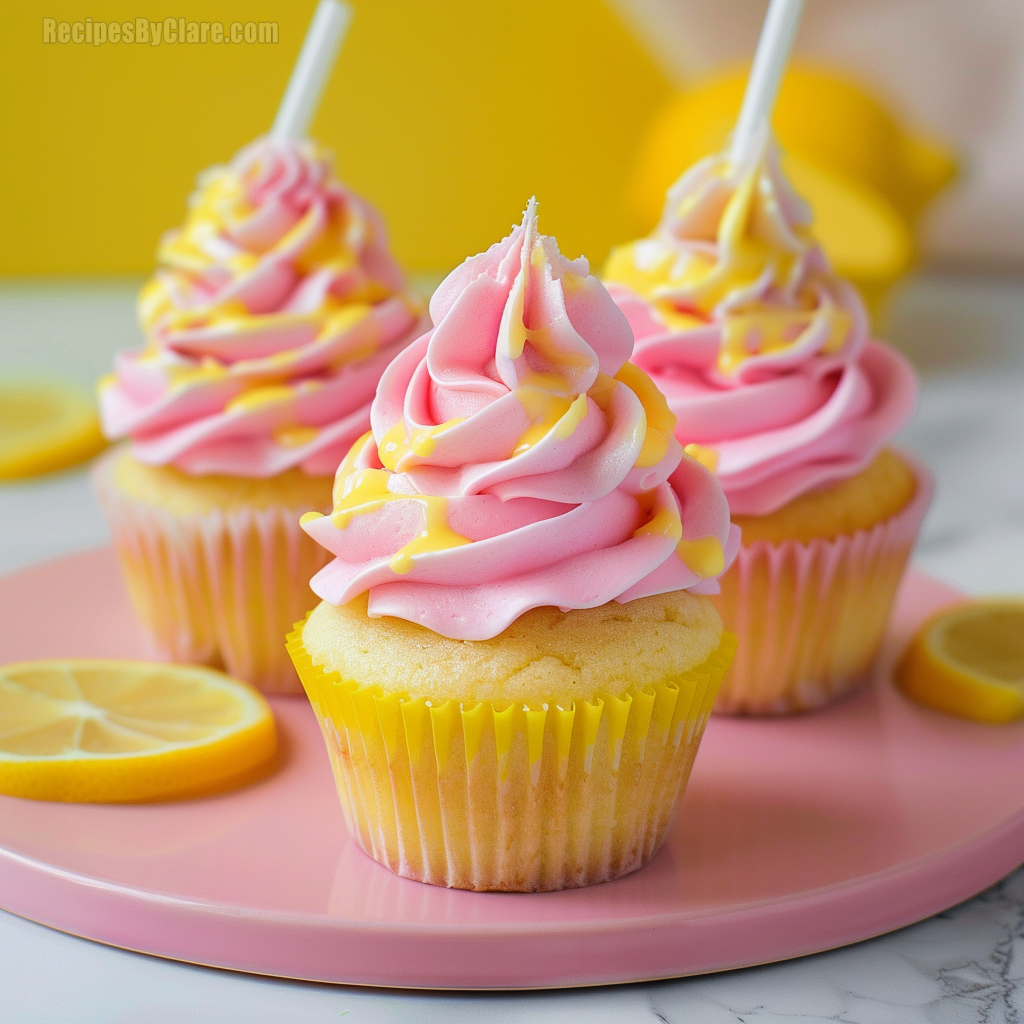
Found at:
(498, 764)
(215, 566)
(857, 503)
(812, 590)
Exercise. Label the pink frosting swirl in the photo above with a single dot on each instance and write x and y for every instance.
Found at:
(517, 460)
(761, 351)
(274, 312)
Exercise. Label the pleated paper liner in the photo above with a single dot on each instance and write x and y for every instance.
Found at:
(220, 588)
(506, 797)
(810, 617)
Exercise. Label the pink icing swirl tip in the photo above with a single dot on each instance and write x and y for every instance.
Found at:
(271, 317)
(760, 349)
(518, 460)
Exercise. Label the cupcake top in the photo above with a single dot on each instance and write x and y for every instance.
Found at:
(517, 460)
(761, 350)
(273, 313)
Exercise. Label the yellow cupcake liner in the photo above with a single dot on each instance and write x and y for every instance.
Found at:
(491, 796)
(810, 617)
(218, 588)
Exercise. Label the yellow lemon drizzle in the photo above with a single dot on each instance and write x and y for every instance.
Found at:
(347, 467)
(704, 454)
(346, 318)
(208, 369)
(705, 556)
(395, 445)
(296, 436)
(366, 491)
(765, 332)
(746, 249)
(678, 320)
(661, 423)
(230, 312)
(551, 413)
(256, 398)
(664, 523)
(221, 202)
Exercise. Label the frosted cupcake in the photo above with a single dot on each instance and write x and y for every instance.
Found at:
(511, 665)
(764, 358)
(271, 317)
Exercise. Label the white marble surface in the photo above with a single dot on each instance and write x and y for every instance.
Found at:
(967, 965)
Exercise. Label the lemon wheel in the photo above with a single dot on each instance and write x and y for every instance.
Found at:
(127, 731)
(45, 426)
(969, 661)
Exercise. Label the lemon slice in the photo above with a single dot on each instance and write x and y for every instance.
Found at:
(45, 426)
(123, 731)
(969, 661)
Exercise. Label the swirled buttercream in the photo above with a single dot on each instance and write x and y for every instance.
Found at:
(518, 460)
(271, 317)
(760, 349)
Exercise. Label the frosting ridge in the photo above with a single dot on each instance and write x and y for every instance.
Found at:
(760, 349)
(516, 459)
(275, 309)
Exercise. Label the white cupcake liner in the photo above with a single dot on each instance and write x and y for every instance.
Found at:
(810, 617)
(220, 588)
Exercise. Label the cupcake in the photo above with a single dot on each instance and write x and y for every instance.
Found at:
(512, 664)
(764, 357)
(268, 324)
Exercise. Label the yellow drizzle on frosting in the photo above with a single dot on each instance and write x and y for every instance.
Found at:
(366, 490)
(661, 423)
(704, 454)
(395, 445)
(766, 331)
(256, 398)
(295, 436)
(348, 465)
(689, 288)
(551, 413)
(663, 523)
(205, 242)
(705, 556)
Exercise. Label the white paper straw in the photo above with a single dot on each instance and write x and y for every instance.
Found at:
(777, 34)
(312, 69)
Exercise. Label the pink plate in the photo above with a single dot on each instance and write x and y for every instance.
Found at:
(794, 836)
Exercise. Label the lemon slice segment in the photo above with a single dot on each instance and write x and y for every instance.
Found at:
(45, 426)
(127, 731)
(969, 661)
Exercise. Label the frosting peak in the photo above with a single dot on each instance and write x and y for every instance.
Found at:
(517, 459)
(274, 311)
(761, 350)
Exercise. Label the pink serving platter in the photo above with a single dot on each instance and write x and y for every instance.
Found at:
(794, 836)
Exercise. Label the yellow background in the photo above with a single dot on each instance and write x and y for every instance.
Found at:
(448, 114)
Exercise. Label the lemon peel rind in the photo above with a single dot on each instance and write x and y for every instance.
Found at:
(68, 439)
(231, 756)
(933, 680)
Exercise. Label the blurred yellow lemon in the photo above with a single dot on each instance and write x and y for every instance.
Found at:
(864, 175)
(969, 661)
(127, 731)
(864, 237)
(45, 426)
